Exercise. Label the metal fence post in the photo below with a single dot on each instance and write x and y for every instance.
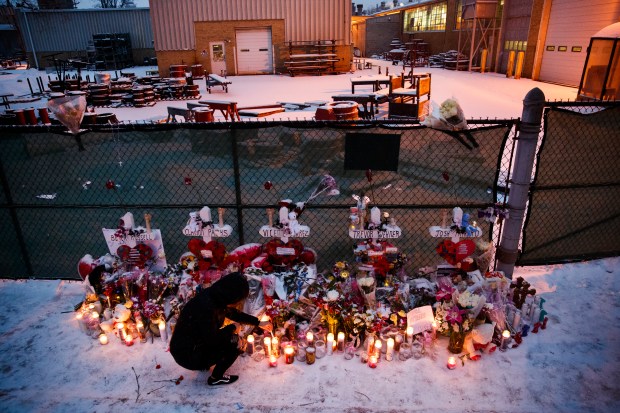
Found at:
(527, 140)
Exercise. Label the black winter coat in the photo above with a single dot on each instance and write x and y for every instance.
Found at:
(199, 340)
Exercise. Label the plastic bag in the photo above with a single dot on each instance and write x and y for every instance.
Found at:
(69, 110)
(447, 116)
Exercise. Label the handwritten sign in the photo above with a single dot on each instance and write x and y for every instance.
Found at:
(391, 232)
(214, 231)
(272, 232)
(447, 232)
(420, 319)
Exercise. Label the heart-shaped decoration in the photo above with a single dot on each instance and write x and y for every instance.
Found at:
(454, 253)
(136, 256)
(213, 252)
(464, 249)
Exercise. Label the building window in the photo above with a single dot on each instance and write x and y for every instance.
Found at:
(518, 45)
(426, 18)
(459, 15)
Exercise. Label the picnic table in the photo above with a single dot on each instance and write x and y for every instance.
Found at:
(5, 100)
(369, 102)
(376, 81)
(226, 107)
(216, 80)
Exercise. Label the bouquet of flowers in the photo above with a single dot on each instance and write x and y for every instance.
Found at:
(448, 116)
(455, 316)
(368, 285)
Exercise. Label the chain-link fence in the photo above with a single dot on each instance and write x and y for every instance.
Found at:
(59, 190)
(574, 206)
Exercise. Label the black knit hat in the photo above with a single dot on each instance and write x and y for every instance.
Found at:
(230, 289)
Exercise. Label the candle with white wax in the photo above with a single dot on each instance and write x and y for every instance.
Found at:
(141, 331)
(398, 340)
(128, 340)
(309, 339)
(249, 348)
(517, 320)
(162, 331)
(267, 343)
(103, 339)
(389, 353)
(275, 347)
(377, 350)
(340, 342)
(120, 327)
(81, 322)
(409, 333)
(330, 343)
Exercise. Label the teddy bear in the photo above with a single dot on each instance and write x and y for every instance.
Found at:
(479, 340)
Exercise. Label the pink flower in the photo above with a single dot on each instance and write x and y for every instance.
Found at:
(454, 315)
(444, 293)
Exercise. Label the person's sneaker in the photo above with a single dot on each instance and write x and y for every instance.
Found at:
(211, 381)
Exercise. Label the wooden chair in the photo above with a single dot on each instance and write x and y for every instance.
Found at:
(412, 101)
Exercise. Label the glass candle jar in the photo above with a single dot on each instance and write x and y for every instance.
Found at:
(321, 348)
(310, 355)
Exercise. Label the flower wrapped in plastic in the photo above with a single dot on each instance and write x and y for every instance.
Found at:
(368, 285)
(69, 110)
(255, 302)
(447, 116)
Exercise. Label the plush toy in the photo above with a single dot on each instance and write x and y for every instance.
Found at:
(121, 313)
(292, 223)
(479, 340)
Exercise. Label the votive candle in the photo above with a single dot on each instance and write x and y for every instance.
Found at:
(275, 346)
(340, 342)
(289, 354)
(121, 330)
(434, 326)
(310, 355)
(378, 345)
(330, 343)
(409, 333)
(128, 340)
(451, 362)
(249, 348)
(273, 361)
(81, 322)
(141, 332)
(309, 338)
(389, 353)
(372, 361)
(398, 340)
(103, 339)
(505, 338)
(267, 343)
(162, 331)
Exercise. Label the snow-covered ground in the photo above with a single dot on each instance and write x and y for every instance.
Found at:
(486, 95)
(48, 365)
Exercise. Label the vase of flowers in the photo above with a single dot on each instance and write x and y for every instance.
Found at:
(457, 340)
(455, 316)
(367, 285)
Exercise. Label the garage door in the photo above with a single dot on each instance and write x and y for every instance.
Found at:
(571, 24)
(254, 51)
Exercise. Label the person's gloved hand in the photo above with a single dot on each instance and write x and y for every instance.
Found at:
(266, 326)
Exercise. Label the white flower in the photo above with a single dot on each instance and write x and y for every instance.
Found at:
(332, 295)
(449, 108)
(468, 300)
(366, 282)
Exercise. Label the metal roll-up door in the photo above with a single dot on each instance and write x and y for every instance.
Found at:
(571, 24)
(254, 51)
